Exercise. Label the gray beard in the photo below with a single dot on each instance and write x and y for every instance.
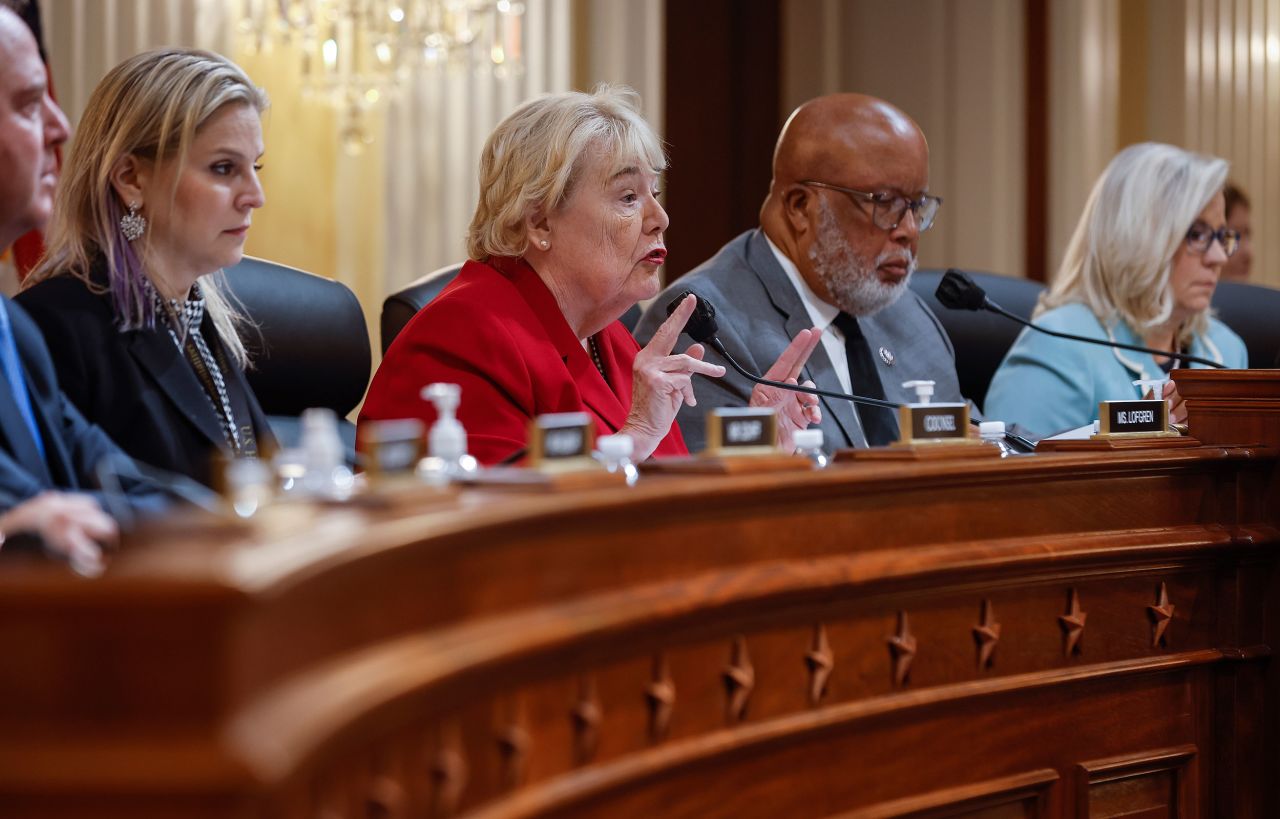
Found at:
(851, 279)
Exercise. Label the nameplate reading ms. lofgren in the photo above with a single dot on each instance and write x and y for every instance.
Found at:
(561, 439)
(933, 422)
(742, 431)
(1145, 417)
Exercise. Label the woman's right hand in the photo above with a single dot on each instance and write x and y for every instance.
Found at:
(662, 382)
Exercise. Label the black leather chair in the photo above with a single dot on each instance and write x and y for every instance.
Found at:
(405, 303)
(311, 348)
(1253, 311)
(980, 339)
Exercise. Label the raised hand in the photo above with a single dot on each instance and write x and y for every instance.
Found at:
(796, 410)
(662, 382)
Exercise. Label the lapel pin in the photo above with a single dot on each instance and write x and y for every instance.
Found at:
(886, 355)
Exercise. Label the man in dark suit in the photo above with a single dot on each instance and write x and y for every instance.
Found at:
(836, 245)
(48, 452)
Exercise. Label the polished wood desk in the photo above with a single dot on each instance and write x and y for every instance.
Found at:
(1074, 634)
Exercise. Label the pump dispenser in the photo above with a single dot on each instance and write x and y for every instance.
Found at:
(924, 391)
(1154, 385)
(447, 457)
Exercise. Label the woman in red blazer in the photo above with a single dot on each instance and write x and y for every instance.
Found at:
(567, 235)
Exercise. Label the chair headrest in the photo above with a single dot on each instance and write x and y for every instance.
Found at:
(314, 347)
(1251, 311)
(405, 303)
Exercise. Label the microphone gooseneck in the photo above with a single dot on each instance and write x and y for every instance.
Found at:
(957, 291)
(702, 328)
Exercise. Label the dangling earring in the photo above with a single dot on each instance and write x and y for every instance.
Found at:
(133, 224)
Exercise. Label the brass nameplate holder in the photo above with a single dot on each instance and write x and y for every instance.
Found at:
(927, 432)
(733, 431)
(1141, 418)
(392, 447)
(562, 441)
(934, 424)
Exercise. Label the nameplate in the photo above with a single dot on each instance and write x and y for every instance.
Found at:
(1138, 417)
(742, 431)
(925, 423)
(391, 447)
(562, 440)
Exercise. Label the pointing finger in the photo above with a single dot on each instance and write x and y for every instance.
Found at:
(664, 340)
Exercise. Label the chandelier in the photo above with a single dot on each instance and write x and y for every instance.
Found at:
(354, 53)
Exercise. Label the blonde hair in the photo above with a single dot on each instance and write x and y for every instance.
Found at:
(1120, 257)
(534, 158)
(149, 106)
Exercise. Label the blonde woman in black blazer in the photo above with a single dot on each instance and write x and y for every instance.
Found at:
(157, 196)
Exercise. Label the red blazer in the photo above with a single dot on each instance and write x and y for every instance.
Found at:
(497, 332)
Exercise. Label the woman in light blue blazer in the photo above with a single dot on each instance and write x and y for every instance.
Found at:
(1140, 269)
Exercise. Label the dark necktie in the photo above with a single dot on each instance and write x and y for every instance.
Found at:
(878, 423)
(17, 382)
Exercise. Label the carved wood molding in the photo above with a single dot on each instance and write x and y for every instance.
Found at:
(385, 799)
(660, 693)
(739, 681)
(986, 634)
(1161, 615)
(587, 715)
(902, 650)
(513, 746)
(447, 771)
(1072, 625)
(820, 662)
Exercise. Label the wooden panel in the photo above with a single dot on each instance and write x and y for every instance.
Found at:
(1021, 796)
(1155, 785)
(722, 119)
(920, 639)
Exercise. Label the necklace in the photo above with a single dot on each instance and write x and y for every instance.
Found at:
(595, 356)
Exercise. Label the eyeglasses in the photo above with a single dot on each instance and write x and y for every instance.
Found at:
(888, 210)
(1199, 237)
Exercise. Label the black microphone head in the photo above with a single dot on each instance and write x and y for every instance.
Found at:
(957, 291)
(701, 325)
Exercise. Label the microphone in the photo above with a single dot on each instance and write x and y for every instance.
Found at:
(702, 327)
(957, 291)
(112, 467)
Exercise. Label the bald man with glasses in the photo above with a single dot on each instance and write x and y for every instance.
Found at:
(835, 249)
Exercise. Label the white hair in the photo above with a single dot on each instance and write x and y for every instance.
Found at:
(1120, 256)
(533, 158)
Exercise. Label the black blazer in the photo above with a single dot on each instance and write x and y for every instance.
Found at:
(136, 385)
(73, 447)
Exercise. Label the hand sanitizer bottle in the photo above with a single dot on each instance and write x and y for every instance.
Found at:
(924, 391)
(808, 442)
(447, 459)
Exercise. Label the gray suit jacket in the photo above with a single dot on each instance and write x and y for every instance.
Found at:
(759, 312)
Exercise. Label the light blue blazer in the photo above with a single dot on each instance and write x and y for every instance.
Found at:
(1049, 384)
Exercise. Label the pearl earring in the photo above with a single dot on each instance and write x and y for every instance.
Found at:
(545, 244)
